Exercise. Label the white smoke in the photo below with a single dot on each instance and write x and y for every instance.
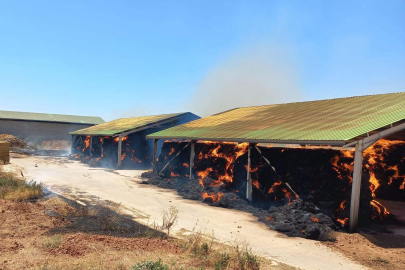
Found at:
(256, 77)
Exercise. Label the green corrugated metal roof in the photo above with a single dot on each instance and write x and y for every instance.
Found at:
(339, 119)
(47, 117)
(124, 124)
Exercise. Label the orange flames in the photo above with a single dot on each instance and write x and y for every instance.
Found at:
(86, 143)
(171, 151)
(203, 174)
(382, 211)
(116, 139)
(256, 184)
(214, 197)
(238, 150)
(314, 219)
(373, 161)
(343, 221)
(271, 190)
(123, 156)
(172, 174)
(185, 165)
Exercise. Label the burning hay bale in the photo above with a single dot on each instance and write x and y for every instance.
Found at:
(303, 192)
(101, 151)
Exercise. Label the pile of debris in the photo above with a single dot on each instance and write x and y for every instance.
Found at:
(298, 219)
(17, 145)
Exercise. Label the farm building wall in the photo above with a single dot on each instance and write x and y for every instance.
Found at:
(37, 132)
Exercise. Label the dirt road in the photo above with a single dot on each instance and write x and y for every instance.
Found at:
(147, 203)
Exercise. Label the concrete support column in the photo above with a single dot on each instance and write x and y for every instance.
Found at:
(356, 187)
(192, 156)
(74, 141)
(119, 151)
(91, 145)
(249, 178)
(155, 157)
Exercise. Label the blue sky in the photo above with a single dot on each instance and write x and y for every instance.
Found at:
(129, 58)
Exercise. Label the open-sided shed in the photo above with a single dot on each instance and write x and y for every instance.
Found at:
(351, 123)
(124, 139)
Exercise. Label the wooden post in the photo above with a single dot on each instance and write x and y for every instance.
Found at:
(119, 151)
(249, 178)
(192, 156)
(154, 157)
(90, 145)
(356, 187)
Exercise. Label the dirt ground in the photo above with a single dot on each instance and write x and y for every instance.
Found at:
(146, 203)
(376, 251)
(51, 234)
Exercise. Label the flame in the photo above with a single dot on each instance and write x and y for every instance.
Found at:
(185, 165)
(271, 190)
(216, 152)
(172, 174)
(87, 143)
(116, 139)
(203, 174)
(342, 221)
(342, 205)
(252, 170)
(374, 184)
(314, 219)
(123, 156)
(270, 218)
(256, 184)
(288, 195)
(215, 197)
(382, 211)
(171, 151)
(373, 160)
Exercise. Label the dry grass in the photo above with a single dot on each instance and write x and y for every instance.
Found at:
(58, 233)
(52, 242)
(15, 188)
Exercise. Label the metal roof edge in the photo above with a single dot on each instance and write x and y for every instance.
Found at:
(129, 131)
(312, 142)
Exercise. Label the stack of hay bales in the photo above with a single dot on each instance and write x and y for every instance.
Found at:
(4, 152)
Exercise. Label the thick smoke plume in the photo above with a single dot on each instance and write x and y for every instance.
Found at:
(260, 77)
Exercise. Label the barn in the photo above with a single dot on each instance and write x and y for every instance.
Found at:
(38, 127)
(345, 153)
(122, 143)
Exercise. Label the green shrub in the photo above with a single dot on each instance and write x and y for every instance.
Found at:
(150, 265)
(222, 262)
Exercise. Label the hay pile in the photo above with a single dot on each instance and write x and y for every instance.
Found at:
(16, 144)
(56, 145)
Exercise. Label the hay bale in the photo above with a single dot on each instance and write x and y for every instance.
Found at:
(4, 152)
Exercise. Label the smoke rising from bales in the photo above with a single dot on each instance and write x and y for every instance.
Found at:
(259, 77)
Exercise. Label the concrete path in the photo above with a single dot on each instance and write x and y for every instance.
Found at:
(148, 202)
